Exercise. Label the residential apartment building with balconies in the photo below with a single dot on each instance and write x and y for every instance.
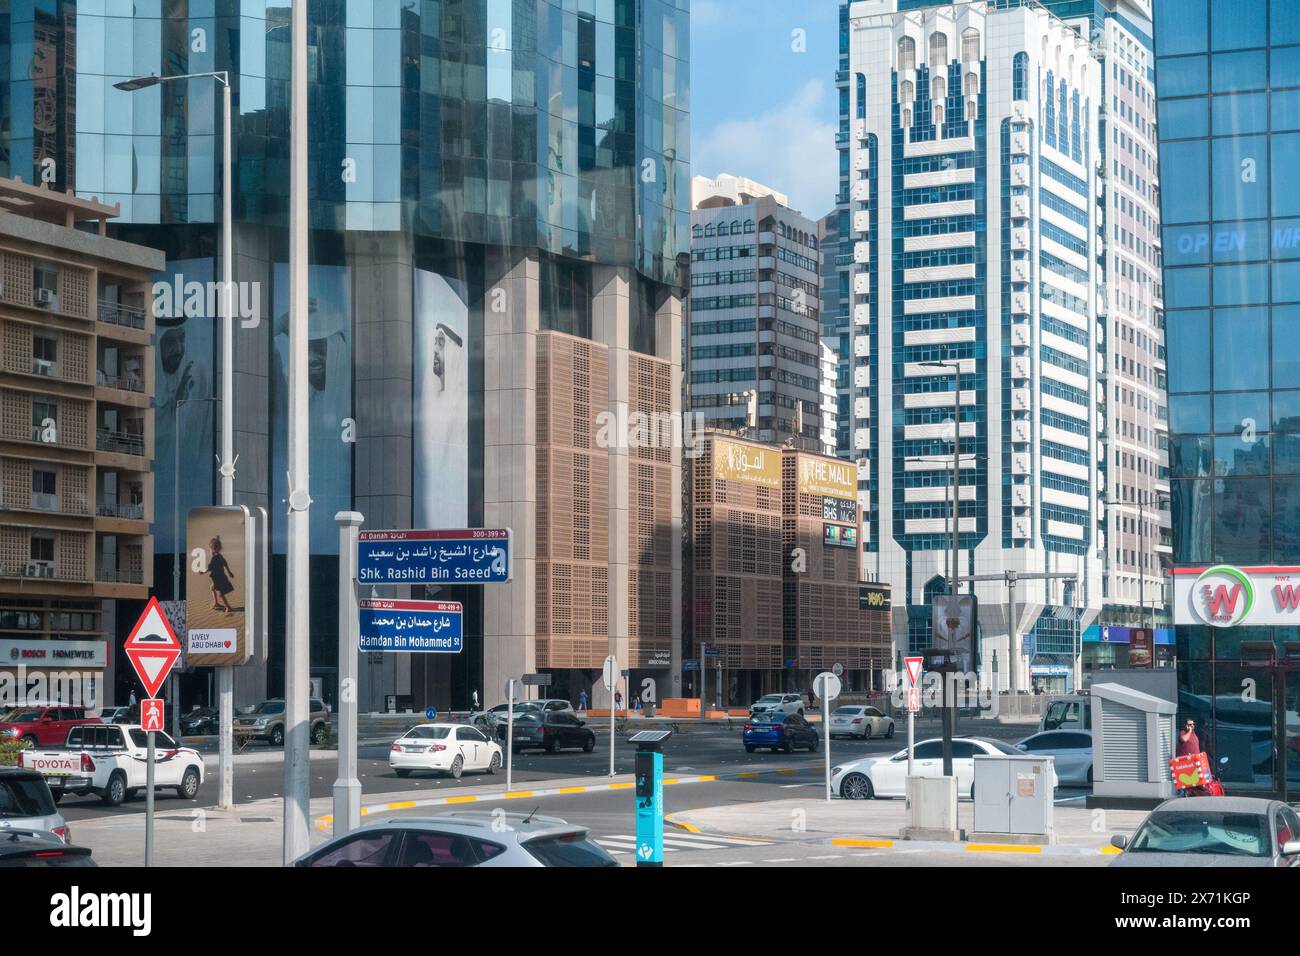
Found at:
(76, 417)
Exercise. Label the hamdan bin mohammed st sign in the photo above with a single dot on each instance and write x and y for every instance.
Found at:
(1223, 595)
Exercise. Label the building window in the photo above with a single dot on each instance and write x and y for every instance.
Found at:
(862, 96)
(42, 546)
(905, 93)
(43, 408)
(970, 45)
(938, 50)
(906, 54)
(1021, 77)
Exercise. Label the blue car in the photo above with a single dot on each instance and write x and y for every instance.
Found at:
(780, 732)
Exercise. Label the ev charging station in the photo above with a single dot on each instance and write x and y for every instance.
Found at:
(650, 796)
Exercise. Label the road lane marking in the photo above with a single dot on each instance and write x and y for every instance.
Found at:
(863, 844)
(1002, 848)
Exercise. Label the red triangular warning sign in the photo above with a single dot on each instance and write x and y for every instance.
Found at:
(152, 648)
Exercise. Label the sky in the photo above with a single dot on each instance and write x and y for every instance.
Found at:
(763, 99)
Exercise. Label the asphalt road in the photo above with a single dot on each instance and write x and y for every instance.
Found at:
(699, 751)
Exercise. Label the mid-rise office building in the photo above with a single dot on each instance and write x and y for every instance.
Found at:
(970, 228)
(485, 181)
(774, 593)
(76, 434)
(1135, 484)
(1228, 79)
(755, 334)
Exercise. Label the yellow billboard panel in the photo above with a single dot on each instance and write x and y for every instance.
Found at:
(733, 461)
(827, 478)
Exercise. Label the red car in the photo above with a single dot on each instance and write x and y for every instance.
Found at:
(43, 726)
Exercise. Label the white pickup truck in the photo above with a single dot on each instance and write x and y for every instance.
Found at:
(111, 760)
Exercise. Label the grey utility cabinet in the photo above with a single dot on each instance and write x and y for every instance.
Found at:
(1132, 743)
(1014, 796)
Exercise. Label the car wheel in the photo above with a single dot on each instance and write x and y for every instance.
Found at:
(321, 735)
(189, 785)
(1089, 778)
(495, 763)
(589, 744)
(277, 737)
(866, 731)
(30, 741)
(788, 746)
(403, 773)
(890, 732)
(457, 766)
(812, 747)
(553, 745)
(749, 748)
(115, 792)
(856, 786)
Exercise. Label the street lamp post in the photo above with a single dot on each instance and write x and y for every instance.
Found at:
(226, 675)
(955, 367)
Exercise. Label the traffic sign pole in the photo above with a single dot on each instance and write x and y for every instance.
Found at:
(510, 733)
(826, 743)
(347, 786)
(611, 684)
(913, 689)
(827, 687)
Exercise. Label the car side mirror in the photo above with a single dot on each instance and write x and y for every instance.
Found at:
(1119, 842)
(1291, 848)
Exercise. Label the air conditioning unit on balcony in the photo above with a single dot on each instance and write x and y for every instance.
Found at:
(39, 569)
(45, 297)
(45, 367)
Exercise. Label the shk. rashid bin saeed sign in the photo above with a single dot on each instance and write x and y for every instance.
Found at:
(1227, 596)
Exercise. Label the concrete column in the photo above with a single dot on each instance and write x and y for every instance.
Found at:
(611, 310)
(668, 338)
(510, 323)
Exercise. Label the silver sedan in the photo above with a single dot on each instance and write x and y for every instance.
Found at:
(859, 720)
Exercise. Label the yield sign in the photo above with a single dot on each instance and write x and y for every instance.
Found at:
(152, 648)
(913, 669)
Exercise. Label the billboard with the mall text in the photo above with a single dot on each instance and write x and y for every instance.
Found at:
(1228, 596)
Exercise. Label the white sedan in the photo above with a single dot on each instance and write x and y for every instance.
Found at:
(1070, 750)
(887, 776)
(859, 720)
(777, 704)
(446, 748)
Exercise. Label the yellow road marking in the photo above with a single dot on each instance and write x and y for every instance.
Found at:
(469, 799)
(750, 773)
(517, 794)
(1111, 850)
(863, 844)
(1002, 848)
(573, 789)
(621, 786)
(401, 805)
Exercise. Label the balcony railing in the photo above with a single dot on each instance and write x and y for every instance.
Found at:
(130, 512)
(114, 313)
(42, 501)
(127, 383)
(124, 443)
(119, 575)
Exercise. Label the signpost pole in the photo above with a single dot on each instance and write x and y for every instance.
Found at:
(611, 724)
(148, 803)
(510, 734)
(347, 786)
(826, 738)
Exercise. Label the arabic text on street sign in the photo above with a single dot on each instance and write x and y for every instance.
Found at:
(472, 556)
(426, 626)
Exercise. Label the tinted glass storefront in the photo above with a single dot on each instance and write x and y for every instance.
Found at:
(1228, 80)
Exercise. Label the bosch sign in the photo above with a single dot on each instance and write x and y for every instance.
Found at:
(27, 653)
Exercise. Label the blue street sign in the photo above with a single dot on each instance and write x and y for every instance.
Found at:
(473, 556)
(424, 626)
(712, 651)
(690, 665)
(431, 713)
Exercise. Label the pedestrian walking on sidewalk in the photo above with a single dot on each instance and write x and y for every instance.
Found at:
(582, 701)
(618, 700)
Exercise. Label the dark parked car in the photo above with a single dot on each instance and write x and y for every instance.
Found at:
(33, 848)
(551, 732)
(266, 722)
(780, 732)
(200, 722)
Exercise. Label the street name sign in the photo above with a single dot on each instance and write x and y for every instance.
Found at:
(420, 626)
(471, 556)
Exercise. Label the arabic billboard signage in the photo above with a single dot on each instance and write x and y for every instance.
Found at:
(471, 556)
(749, 464)
(432, 627)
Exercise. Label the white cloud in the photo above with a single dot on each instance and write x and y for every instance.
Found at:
(791, 148)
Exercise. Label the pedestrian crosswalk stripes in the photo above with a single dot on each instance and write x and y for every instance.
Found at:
(678, 841)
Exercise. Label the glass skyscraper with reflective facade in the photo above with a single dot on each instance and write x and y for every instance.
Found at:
(1228, 80)
(486, 175)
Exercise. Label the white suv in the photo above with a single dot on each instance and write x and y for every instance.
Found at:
(777, 704)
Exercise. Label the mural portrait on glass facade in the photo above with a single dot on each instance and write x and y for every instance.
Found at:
(441, 401)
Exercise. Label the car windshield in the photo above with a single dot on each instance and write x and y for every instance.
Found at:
(770, 699)
(847, 710)
(426, 733)
(269, 707)
(23, 796)
(762, 719)
(1210, 831)
(568, 849)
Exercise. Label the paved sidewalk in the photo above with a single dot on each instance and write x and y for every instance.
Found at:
(878, 824)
